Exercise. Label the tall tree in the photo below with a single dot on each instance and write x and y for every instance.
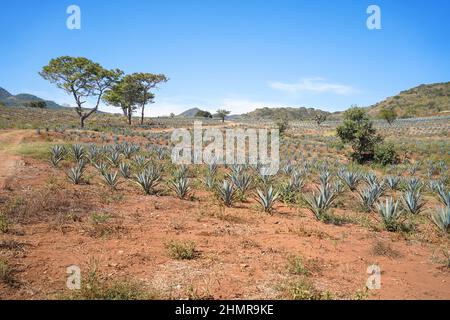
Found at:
(81, 78)
(125, 94)
(147, 82)
(222, 113)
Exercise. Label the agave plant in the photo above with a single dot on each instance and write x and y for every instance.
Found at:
(111, 179)
(434, 185)
(129, 149)
(211, 170)
(371, 178)
(125, 170)
(325, 177)
(370, 195)
(267, 198)
(444, 196)
(414, 185)
(140, 161)
(390, 213)
(57, 155)
(296, 181)
(101, 166)
(242, 182)
(114, 158)
(78, 152)
(393, 182)
(413, 201)
(350, 178)
(338, 187)
(75, 174)
(442, 218)
(412, 168)
(94, 152)
(181, 186)
(161, 153)
(288, 169)
(236, 169)
(320, 204)
(148, 179)
(227, 193)
(181, 172)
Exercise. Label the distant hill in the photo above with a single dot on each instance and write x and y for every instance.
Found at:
(422, 101)
(288, 113)
(189, 113)
(23, 99)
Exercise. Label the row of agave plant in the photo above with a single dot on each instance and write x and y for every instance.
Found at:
(244, 180)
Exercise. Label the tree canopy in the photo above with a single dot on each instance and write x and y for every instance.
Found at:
(388, 114)
(222, 113)
(357, 130)
(83, 79)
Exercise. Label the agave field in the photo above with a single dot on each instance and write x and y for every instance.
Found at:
(109, 200)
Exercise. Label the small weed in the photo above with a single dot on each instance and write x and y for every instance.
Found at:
(384, 249)
(6, 273)
(182, 250)
(304, 289)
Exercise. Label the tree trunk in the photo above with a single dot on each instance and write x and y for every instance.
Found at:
(82, 118)
(129, 117)
(142, 116)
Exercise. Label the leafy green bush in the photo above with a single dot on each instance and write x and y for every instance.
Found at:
(385, 154)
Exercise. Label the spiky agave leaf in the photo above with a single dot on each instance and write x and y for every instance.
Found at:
(393, 182)
(444, 196)
(414, 185)
(125, 170)
(243, 182)
(267, 198)
(78, 152)
(75, 174)
(114, 158)
(413, 201)
(350, 178)
(321, 203)
(181, 186)
(57, 154)
(111, 178)
(442, 218)
(140, 161)
(370, 195)
(390, 213)
(148, 179)
(227, 193)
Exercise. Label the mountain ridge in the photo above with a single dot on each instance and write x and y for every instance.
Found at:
(22, 99)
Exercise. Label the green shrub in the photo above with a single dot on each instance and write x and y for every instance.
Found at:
(385, 154)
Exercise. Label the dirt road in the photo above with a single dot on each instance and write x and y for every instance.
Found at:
(9, 140)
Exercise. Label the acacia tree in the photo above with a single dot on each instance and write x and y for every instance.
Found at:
(222, 113)
(146, 83)
(83, 79)
(357, 130)
(125, 94)
(320, 118)
(388, 114)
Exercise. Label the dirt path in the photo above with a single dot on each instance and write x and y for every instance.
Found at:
(8, 161)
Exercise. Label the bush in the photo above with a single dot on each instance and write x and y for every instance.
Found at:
(385, 154)
(358, 131)
(182, 250)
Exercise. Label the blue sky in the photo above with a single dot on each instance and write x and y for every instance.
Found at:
(235, 54)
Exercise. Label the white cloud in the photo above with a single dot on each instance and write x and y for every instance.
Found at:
(314, 85)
